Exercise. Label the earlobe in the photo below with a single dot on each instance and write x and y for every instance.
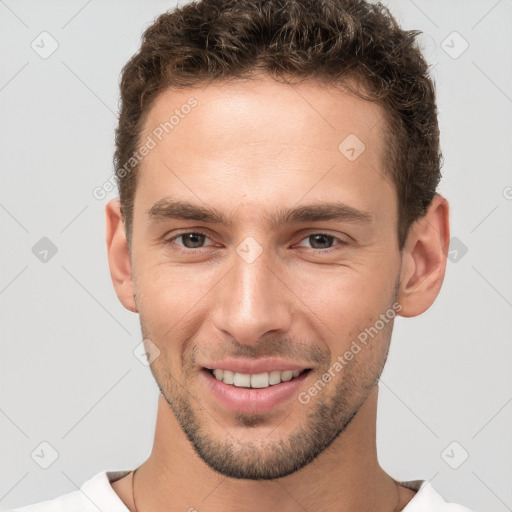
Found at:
(119, 256)
(424, 259)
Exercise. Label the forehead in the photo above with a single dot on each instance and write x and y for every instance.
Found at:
(265, 140)
(262, 109)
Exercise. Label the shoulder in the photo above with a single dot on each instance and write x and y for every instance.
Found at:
(96, 493)
(73, 500)
(427, 499)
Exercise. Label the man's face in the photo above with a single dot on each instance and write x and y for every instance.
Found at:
(258, 286)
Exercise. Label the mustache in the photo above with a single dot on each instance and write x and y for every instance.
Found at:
(268, 347)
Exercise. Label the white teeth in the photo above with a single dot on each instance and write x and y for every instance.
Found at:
(258, 380)
(287, 375)
(242, 380)
(228, 377)
(274, 377)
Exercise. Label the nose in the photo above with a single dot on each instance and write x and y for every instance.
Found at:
(253, 300)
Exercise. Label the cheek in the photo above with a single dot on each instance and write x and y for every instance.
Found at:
(171, 299)
(345, 302)
(340, 292)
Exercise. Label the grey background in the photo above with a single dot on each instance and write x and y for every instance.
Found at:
(68, 375)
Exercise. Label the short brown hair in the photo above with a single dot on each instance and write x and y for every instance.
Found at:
(331, 41)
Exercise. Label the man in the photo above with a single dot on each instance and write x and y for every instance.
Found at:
(277, 164)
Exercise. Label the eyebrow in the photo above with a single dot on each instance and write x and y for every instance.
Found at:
(168, 208)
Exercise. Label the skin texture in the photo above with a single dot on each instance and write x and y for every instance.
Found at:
(249, 149)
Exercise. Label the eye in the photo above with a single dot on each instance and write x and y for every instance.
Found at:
(191, 239)
(323, 241)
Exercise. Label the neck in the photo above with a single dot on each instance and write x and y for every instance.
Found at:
(344, 478)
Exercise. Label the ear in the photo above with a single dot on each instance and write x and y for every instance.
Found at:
(119, 256)
(424, 259)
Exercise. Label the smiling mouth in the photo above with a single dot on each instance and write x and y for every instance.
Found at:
(258, 380)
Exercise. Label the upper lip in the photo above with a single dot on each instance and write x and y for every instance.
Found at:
(252, 366)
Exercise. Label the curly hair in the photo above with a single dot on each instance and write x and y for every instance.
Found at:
(335, 42)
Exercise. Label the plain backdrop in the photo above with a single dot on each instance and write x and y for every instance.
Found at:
(68, 374)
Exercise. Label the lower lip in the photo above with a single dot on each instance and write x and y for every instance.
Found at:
(253, 400)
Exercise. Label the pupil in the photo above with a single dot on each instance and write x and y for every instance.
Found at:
(316, 237)
(195, 243)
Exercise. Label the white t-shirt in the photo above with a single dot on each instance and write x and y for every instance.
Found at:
(97, 494)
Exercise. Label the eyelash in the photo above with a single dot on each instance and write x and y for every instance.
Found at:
(340, 241)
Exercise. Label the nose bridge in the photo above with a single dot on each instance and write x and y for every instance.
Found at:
(253, 300)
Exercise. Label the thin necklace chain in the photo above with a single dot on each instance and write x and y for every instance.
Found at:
(135, 505)
(133, 490)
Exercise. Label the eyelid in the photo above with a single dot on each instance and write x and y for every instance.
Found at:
(341, 241)
(186, 232)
